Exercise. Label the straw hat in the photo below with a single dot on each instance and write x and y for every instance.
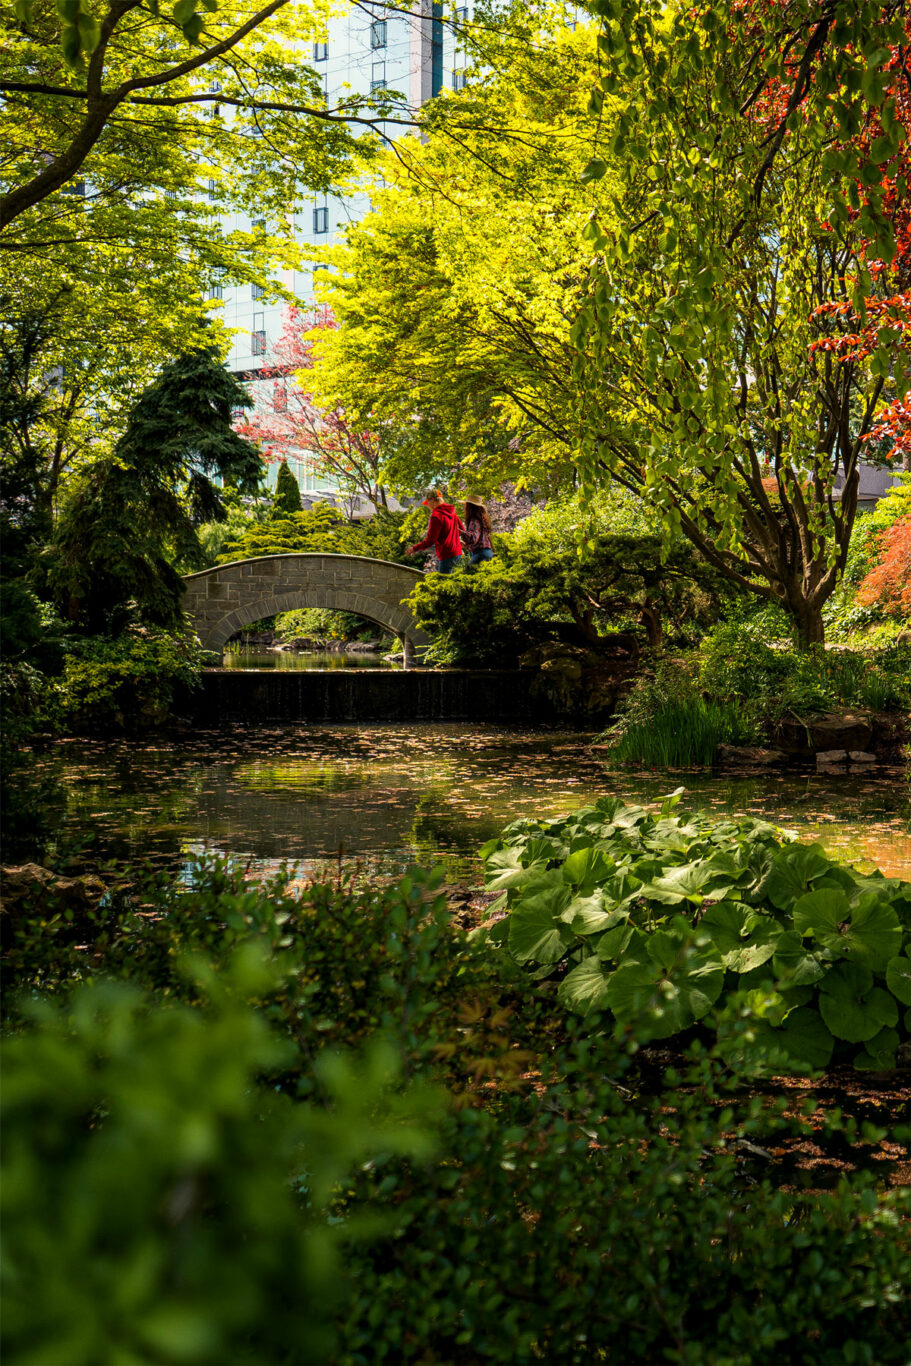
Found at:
(475, 502)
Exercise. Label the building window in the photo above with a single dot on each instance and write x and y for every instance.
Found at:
(238, 414)
(216, 291)
(321, 219)
(459, 79)
(320, 52)
(280, 397)
(211, 188)
(378, 77)
(462, 16)
(378, 33)
(170, 194)
(214, 87)
(258, 335)
(257, 291)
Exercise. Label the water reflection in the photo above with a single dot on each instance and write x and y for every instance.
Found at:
(389, 795)
(316, 659)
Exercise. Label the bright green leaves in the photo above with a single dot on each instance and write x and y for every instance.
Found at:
(652, 916)
(594, 170)
(898, 978)
(534, 933)
(187, 16)
(584, 989)
(744, 939)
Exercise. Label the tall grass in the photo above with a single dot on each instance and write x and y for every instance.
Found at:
(683, 732)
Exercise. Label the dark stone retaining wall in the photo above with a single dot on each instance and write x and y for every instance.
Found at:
(268, 695)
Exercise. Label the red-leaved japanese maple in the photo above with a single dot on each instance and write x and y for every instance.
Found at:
(288, 423)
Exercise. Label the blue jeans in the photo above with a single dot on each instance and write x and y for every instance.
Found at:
(447, 566)
(479, 556)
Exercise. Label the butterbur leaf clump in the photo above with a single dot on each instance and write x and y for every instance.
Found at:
(655, 919)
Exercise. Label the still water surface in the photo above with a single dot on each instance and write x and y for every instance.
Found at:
(314, 659)
(389, 795)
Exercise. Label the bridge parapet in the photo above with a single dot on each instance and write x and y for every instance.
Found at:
(223, 600)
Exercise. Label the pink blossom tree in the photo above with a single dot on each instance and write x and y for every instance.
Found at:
(287, 422)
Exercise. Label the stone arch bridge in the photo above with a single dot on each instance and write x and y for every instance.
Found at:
(221, 601)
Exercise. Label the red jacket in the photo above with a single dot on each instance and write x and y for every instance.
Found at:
(443, 533)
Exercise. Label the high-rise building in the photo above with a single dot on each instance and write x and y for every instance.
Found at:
(366, 50)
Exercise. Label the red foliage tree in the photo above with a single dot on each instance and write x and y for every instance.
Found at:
(287, 422)
(888, 586)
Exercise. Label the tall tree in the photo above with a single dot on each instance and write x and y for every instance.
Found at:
(758, 228)
(128, 518)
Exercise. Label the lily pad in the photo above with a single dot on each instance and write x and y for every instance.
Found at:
(744, 939)
(852, 1007)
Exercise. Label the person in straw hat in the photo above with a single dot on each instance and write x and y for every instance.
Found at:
(476, 536)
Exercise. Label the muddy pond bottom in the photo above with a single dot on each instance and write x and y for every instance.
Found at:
(381, 797)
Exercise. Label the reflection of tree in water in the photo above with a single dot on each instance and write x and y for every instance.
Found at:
(439, 828)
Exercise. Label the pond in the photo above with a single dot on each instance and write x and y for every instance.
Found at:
(383, 796)
(315, 659)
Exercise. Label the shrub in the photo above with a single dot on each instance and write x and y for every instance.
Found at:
(658, 917)
(574, 576)
(123, 683)
(888, 585)
(163, 1203)
(585, 1222)
(192, 1178)
(768, 684)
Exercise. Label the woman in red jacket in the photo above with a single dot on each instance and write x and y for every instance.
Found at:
(443, 533)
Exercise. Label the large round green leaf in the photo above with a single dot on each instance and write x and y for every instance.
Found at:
(868, 932)
(585, 988)
(794, 868)
(536, 932)
(879, 1053)
(794, 963)
(744, 939)
(587, 915)
(805, 1038)
(587, 868)
(898, 978)
(675, 987)
(852, 1007)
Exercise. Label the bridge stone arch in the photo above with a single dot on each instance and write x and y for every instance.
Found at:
(221, 601)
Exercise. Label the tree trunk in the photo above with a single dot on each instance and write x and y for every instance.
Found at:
(809, 623)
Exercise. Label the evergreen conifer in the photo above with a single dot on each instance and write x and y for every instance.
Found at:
(287, 493)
